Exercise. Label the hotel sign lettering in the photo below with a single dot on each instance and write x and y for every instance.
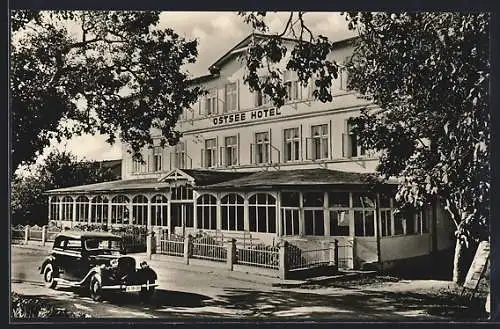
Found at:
(245, 116)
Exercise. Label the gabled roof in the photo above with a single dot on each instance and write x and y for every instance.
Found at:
(215, 67)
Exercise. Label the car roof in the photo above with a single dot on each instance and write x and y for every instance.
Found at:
(87, 234)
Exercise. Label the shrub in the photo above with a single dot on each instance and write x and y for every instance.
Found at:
(24, 307)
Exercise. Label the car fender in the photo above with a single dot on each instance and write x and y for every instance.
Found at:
(97, 270)
(49, 260)
(147, 273)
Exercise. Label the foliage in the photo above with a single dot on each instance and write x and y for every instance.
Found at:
(429, 75)
(61, 169)
(107, 72)
(429, 72)
(24, 307)
(308, 57)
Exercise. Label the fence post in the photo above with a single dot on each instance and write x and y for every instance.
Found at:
(231, 253)
(26, 234)
(44, 234)
(334, 254)
(283, 260)
(149, 244)
(187, 241)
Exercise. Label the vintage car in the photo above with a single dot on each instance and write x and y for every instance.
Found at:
(96, 261)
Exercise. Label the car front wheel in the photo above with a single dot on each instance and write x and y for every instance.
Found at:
(95, 288)
(48, 276)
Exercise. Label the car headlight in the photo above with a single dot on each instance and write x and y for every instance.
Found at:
(144, 264)
(114, 262)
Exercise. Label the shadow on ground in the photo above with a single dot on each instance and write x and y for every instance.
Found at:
(359, 305)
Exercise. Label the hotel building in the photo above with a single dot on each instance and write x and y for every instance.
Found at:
(247, 169)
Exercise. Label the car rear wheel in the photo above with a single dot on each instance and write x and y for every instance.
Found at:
(95, 288)
(49, 275)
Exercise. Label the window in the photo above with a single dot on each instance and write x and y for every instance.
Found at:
(210, 153)
(350, 143)
(262, 147)
(231, 151)
(417, 224)
(139, 210)
(157, 158)
(99, 210)
(184, 193)
(119, 209)
(385, 215)
(54, 208)
(290, 210)
(159, 210)
(136, 166)
(231, 101)
(211, 102)
(67, 208)
(364, 214)
(344, 75)
(339, 213)
(291, 85)
(399, 223)
(292, 144)
(262, 213)
(178, 157)
(206, 208)
(319, 147)
(82, 209)
(261, 98)
(74, 245)
(232, 212)
(313, 213)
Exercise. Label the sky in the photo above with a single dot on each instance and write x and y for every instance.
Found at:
(216, 32)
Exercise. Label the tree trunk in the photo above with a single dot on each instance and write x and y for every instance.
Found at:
(459, 268)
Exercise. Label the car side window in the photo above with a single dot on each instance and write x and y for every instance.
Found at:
(74, 245)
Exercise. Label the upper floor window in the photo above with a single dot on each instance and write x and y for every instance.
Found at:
(292, 85)
(210, 153)
(178, 156)
(261, 98)
(344, 74)
(350, 143)
(231, 99)
(262, 147)
(291, 138)
(319, 141)
(231, 151)
(157, 158)
(211, 102)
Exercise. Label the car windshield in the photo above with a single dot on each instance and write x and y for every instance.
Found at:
(103, 244)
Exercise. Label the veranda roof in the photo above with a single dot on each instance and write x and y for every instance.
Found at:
(198, 177)
(299, 178)
(223, 180)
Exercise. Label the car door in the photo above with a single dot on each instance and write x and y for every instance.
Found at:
(70, 259)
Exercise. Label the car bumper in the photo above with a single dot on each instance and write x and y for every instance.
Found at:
(131, 287)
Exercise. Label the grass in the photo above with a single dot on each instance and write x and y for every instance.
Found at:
(24, 307)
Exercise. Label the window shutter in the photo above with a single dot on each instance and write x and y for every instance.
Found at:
(216, 149)
(330, 140)
(270, 158)
(222, 156)
(237, 95)
(238, 150)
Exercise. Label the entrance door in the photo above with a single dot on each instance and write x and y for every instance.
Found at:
(182, 216)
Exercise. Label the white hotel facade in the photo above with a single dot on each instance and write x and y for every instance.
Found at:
(248, 169)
